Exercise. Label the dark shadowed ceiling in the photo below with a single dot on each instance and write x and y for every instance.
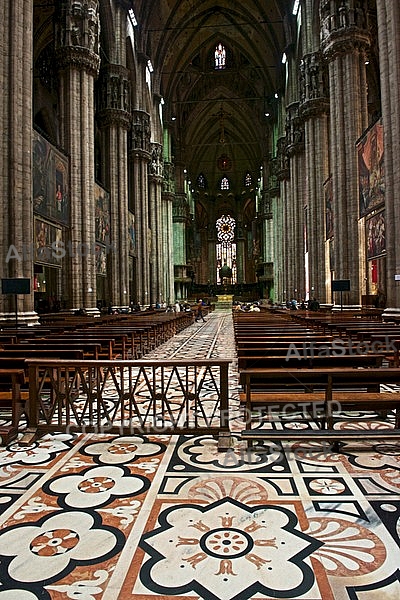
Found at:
(216, 113)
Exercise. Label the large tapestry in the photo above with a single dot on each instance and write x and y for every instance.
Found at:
(371, 169)
(50, 180)
(49, 246)
(376, 241)
(102, 215)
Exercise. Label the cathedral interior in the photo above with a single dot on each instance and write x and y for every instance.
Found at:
(162, 151)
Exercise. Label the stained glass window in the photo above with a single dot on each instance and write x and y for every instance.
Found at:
(224, 183)
(248, 180)
(220, 57)
(226, 250)
(225, 228)
(201, 181)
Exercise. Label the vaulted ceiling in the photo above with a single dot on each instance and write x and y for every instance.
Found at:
(212, 112)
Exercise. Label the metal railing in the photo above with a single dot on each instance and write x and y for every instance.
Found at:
(129, 397)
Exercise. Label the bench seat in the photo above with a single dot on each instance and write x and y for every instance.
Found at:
(329, 435)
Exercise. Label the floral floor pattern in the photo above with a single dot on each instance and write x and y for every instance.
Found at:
(102, 517)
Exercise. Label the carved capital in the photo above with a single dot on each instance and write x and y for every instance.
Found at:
(312, 77)
(114, 89)
(180, 209)
(79, 58)
(111, 117)
(294, 130)
(338, 17)
(283, 172)
(78, 25)
(141, 131)
(273, 177)
(156, 164)
(169, 178)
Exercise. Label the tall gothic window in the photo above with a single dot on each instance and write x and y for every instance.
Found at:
(220, 57)
(226, 250)
(201, 181)
(224, 183)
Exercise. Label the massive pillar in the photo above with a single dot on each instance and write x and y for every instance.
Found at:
(166, 259)
(314, 107)
(345, 40)
(389, 51)
(281, 224)
(114, 120)
(155, 205)
(140, 157)
(180, 221)
(16, 232)
(295, 203)
(77, 53)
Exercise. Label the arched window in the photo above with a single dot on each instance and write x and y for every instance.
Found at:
(201, 181)
(226, 250)
(224, 183)
(248, 180)
(220, 57)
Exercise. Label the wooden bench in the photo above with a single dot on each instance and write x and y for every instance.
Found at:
(89, 350)
(12, 401)
(327, 389)
(283, 361)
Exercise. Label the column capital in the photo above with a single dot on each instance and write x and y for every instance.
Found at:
(77, 34)
(114, 97)
(169, 178)
(294, 130)
(140, 139)
(78, 57)
(180, 209)
(156, 165)
(283, 170)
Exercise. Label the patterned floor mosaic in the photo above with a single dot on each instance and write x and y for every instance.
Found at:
(95, 517)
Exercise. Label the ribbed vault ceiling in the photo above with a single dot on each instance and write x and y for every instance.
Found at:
(218, 112)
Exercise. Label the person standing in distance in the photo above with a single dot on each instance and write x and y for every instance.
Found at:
(199, 314)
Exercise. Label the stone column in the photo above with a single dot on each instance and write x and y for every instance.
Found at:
(389, 51)
(267, 249)
(295, 204)
(165, 247)
(180, 220)
(155, 184)
(77, 54)
(16, 232)
(314, 108)
(344, 47)
(114, 121)
(140, 157)
(281, 225)
(240, 252)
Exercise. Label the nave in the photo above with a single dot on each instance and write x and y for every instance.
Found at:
(108, 517)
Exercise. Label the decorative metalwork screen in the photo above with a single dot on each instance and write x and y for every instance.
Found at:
(129, 397)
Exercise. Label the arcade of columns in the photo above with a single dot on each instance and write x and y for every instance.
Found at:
(325, 113)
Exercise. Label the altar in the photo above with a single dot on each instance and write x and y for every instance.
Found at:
(224, 301)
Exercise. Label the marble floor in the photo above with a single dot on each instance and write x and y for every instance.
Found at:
(101, 517)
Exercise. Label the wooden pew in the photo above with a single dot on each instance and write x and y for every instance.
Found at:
(12, 401)
(329, 389)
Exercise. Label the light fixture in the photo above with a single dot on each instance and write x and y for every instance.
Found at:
(173, 118)
(267, 114)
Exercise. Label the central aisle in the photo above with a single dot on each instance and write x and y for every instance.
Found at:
(105, 517)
